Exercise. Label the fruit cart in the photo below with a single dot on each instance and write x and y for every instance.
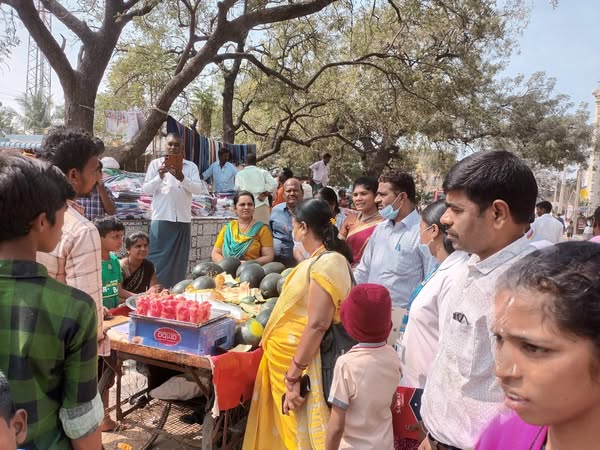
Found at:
(225, 381)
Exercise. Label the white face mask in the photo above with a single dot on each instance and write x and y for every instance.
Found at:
(421, 236)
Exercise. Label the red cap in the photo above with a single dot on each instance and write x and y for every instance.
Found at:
(367, 313)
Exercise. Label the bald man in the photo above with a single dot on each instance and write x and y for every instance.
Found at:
(281, 222)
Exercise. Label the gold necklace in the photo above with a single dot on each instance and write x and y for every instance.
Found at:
(368, 218)
(246, 229)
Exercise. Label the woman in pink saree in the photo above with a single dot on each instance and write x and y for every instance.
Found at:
(358, 228)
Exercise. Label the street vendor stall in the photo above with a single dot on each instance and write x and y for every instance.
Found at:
(225, 381)
(204, 328)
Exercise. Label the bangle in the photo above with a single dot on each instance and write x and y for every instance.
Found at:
(298, 365)
(291, 380)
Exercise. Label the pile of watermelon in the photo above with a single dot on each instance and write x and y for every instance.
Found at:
(173, 307)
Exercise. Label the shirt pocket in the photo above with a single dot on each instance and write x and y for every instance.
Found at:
(462, 336)
(403, 257)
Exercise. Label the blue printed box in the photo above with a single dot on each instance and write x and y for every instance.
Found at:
(182, 336)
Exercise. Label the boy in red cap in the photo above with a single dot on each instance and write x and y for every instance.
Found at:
(365, 378)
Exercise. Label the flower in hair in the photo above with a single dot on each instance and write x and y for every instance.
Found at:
(332, 221)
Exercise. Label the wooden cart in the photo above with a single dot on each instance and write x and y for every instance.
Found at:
(223, 432)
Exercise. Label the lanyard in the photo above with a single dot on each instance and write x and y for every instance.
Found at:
(421, 285)
(413, 296)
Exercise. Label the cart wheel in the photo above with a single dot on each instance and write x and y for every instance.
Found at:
(159, 426)
(208, 428)
(107, 374)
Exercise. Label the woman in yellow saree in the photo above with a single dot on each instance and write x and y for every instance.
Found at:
(358, 228)
(308, 304)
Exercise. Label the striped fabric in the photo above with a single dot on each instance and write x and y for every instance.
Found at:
(204, 151)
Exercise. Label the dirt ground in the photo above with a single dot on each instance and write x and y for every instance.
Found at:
(181, 436)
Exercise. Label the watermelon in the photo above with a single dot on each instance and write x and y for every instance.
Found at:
(286, 272)
(253, 274)
(238, 335)
(179, 288)
(273, 267)
(268, 285)
(182, 311)
(280, 284)
(169, 308)
(204, 282)
(249, 300)
(238, 272)
(230, 265)
(263, 317)
(206, 268)
(252, 331)
(155, 308)
(269, 305)
(142, 305)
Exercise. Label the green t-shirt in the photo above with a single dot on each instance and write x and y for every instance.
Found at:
(111, 277)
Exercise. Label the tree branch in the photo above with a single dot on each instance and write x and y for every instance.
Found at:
(362, 61)
(192, 35)
(142, 11)
(44, 39)
(277, 14)
(240, 119)
(78, 27)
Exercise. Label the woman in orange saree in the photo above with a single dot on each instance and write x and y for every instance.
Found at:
(358, 228)
(308, 304)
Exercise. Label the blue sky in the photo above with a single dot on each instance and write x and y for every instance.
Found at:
(564, 42)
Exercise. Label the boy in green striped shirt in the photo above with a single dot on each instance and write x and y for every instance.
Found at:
(47, 329)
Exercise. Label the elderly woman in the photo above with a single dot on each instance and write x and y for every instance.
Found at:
(358, 228)
(308, 305)
(244, 238)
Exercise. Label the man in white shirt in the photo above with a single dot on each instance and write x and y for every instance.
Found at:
(172, 186)
(490, 197)
(260, 183)
(306, 189)
(318, 173)
(393, 256)
(546, 227)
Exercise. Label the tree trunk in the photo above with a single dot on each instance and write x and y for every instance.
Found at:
(229, 77)
(228, 89)
(79, 105)
(375, 158)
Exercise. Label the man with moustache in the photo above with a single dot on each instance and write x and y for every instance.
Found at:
(490, 198)
(172, 181)
(281, 222)
(393, 256)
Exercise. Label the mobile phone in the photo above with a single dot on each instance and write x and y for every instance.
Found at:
(174, 161)
(304, 389)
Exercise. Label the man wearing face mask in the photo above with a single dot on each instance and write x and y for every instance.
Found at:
(393, 256)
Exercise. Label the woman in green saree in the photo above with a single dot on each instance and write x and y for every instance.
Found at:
(244, 238)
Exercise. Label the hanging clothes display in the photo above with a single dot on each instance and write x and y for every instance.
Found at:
(204, 151)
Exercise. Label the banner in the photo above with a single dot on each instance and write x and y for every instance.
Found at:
(123, 123)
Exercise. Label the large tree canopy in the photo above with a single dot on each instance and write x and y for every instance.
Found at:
(100, 26)
(369, 82)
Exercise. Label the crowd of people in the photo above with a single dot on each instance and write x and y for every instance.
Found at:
(468, 313)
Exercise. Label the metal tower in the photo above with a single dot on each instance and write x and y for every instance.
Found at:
(38, 67)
